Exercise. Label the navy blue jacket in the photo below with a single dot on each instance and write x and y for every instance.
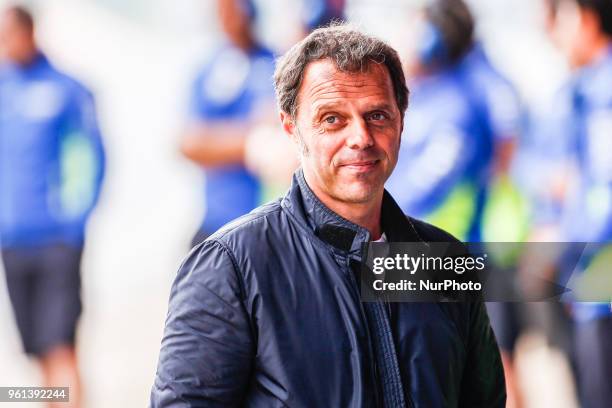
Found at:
(267, 313)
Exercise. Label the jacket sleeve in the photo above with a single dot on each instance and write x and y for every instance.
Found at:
(483, 384)
(88, 122)
(82, 155)
(207, 346)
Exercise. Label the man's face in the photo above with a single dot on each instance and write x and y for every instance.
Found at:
(234, 21)
(565, 26)
(16, 42)
(348, 126)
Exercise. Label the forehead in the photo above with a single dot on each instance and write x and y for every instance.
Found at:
(9, 21)
(324, 82)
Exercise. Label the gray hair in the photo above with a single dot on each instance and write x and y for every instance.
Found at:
(349, 50)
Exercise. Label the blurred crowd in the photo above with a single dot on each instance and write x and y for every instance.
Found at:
(475, 159)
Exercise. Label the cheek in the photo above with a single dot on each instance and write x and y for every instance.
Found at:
(326, 149)
(18, 44)
(389, 142)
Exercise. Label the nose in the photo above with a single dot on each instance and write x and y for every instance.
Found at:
(359, 136)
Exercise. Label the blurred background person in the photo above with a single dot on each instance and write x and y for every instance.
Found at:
(446, 151)
(51, 170)
(232, 97)
(455, 118)
(581, 126)
(504, 217)
(459, 139)
(268, 153)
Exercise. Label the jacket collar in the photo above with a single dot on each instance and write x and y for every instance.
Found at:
(338, 231)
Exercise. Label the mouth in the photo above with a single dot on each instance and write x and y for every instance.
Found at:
(361, 166)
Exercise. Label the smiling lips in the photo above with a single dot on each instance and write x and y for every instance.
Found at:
(363, 165)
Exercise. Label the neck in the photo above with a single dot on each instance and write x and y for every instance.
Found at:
(598, 48)
(365, 214)
(28, 58)
(245, 43)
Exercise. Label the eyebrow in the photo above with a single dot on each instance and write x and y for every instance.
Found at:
(381, 106)
(332, 105)
(325, 106)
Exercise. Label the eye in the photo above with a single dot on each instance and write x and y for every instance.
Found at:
(331, 119)
(378, 116)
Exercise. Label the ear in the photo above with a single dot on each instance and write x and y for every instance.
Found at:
(288, 125)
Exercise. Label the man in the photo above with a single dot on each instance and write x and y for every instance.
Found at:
(582, 130)
(51, 168)
(267, 311)
(232, 96)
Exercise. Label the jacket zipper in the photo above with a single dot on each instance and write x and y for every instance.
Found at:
(372, 359)
(373, 364)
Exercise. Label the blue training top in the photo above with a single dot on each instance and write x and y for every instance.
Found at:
(494, 93)
(231, 87)
(446, 154)
(51, 156)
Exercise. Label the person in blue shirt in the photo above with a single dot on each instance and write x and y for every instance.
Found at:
(582, 30)
(459, 137)
(447, 148)
(51, 169)
(231, 96)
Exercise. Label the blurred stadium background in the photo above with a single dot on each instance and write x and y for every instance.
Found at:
(138, 57)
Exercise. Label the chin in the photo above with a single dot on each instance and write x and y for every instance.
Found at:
(359, 193)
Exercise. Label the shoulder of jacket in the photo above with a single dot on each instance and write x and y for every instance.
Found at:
(249, 223)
